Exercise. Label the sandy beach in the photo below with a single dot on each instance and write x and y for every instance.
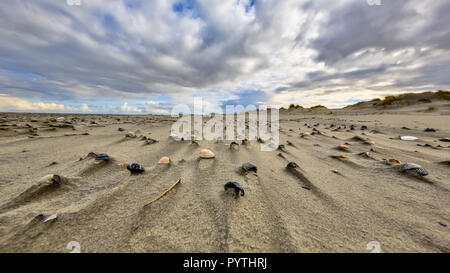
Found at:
(346, 188)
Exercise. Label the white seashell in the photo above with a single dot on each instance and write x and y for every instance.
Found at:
(408, 138)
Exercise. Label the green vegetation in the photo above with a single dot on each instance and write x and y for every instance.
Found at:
(292, 106)
(432, 108)
(444, 95)
(390, 100)
(317, 107)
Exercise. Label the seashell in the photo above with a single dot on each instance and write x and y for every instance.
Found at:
(206, 153)
(343, 147)
(408, 138)
(50, 218)
(445, 162)
(234, 145)
(358, 138)
(60, 119)
(365, 154)
(393, 160)
(130, 134)
(164, 160)
(46, 179)
(249, 167)
(150, 140)
(340, 156)
(413, 166)
(123, 165)
(281, 147)
(306, 134)
(236, 186)
(103, 157)
(135, 168)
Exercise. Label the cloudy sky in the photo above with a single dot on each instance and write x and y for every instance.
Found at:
(136, 56)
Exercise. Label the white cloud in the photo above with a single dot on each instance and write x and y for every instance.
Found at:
(8, 103)
(85, 108)
(129, 109)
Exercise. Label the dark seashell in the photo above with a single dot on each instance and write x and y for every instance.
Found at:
(430, 130)
(150, 140)
(135, 168)
(52, 164)
(236, 186)
(413, 166)
(365, 154)
(292, 165)
(249, 167)
(446, 162)
(103, 157)
(121, 129)
(364, 127)
(233, 144)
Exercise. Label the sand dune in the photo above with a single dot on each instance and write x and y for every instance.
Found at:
(319, 204)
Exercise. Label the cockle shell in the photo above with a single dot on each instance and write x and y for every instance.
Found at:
(164, 160)
(340, 156)
(205, 153)
(343, 147)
